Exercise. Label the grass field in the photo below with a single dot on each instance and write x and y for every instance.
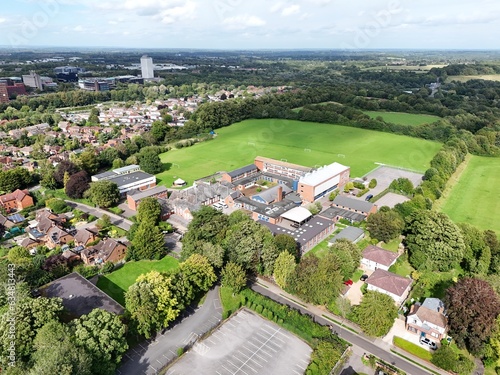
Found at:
(475, 198)
(117, 283)
(486, 77)
(401, 118)
(305, 143)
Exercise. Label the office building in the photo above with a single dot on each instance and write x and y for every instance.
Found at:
(147, 67)
(33, 80)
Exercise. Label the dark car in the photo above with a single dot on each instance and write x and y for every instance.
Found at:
(363, 277)
(429, 343)
(368, 197)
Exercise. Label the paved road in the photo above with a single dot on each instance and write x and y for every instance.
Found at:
(349, 336)
(117, 220)
(150, 356)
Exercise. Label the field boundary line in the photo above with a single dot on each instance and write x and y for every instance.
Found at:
(452, 182)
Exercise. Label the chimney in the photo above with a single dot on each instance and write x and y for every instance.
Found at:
(279, 198)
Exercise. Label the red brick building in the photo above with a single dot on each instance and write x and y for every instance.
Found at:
(16, 201)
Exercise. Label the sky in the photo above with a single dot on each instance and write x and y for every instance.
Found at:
(252, 24)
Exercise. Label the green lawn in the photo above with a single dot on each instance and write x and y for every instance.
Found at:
(402, 118)
(117, 283)
(412, 348)
(392, 245)
(402, 267)
(475, 198)
(230, 302)
(304, 143)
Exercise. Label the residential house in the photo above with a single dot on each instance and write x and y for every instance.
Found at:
(16, 201)
(428, 319)
(395, 286)
(108, 250)
(85, 236)
(6, 222)
(374, 257)
(56, 236)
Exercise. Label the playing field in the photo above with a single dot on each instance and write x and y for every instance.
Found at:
(304, 143)
(475, 199)
(117, 283)
(402, 118)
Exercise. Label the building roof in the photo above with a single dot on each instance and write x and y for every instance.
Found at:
(84, 235)
(242, 170)
(434, 304)
(379, 255)
(283, 164)
(297, 214)
(80, 296)
(322, 174)
(349, 233)
(334, 212)
(431, 311)
(353, 204)
(16, 218)
(104, 175)
(137, 195)
(126, 169)
(126, 179)
(389, 282)
(271, 195)
(16, 195)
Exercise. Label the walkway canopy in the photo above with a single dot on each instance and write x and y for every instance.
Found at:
(297, 215)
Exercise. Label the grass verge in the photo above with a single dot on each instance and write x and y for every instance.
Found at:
(412, 348)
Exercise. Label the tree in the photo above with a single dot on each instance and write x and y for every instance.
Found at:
(445, 357)
(348, 255)
(373, 183)
(148, 242)
(284, 268)
(285, 242)
(151, 303)
(103, 193)
(104, 222)
(19, 256)
(473, 307)
(234, 277)
(214, 254)
(402, 185)
(77, 184)
(348, 187)
(65, 166)
(159, 130)
(149, 210)
(385, 226)
(88, 161)
(108, 156)
(150, 162)
(433, 241)
(118, 163)
(199, 272)
(376, 313)
(268, 254)
(102, 334)
(57, 353)
(477, 256)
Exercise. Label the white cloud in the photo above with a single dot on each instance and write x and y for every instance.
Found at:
(277, 7)
(243, 22)
(182, 12)
(78, 28)
(2, 20)
(292, 9)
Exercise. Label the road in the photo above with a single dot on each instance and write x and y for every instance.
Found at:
(150, 356)
(117, 220)
(357, 340)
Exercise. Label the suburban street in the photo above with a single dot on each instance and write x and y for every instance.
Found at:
(117, 220)
(359, 341)
(154, 354)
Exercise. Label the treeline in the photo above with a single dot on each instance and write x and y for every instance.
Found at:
(466, 70)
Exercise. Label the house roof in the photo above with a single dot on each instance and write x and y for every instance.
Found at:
(242, 170)
(126, 179)
(379, 255)
(430, 316)
(83, 236)
(297, 214)
(389, 282)
(137, 195)
(271, 195)
(349, 233)
(17, 195)
(353, 204)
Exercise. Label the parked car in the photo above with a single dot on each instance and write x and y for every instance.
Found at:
(368, 197)
(429, 343)
(348, 282)
(363, 277)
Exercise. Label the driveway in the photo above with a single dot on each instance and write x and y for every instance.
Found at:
(117, 220)
(152, 355)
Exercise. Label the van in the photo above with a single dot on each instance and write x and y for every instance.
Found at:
(368, 197)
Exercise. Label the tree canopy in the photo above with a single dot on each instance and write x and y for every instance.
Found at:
(103, 193)
(376, 313)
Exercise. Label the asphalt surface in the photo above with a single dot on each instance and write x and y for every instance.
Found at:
(117, 220)
(154, 354)
(362, 342)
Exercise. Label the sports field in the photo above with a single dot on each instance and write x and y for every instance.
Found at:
(304, 143)
(402, 118)
(475, 199)
(117, 283)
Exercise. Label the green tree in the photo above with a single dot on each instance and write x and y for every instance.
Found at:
(56, 352)
(19, 256)
(214, 254)
(348, 255)
(150, 162)
(159, 130)
(348, 187)
(445, 358)
(118, 163)
(88, 161)
(104, 222)
(285, 242)
(284, 268)
(402, 185)
(148, 242)
(151, 303)
(234, 276)
(433, 241)
(199, 272)
(149, 210)
(103, 193)
(477, 256)
(376, 313)
(102, 334)
(385, 226)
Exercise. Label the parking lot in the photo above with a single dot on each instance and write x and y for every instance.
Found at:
(246, 345)
(385, 175)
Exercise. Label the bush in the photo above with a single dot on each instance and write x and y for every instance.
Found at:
(57, 206)
(108, 267)
(373, 183)
(180, 351)
(362, 192)
(359, 185)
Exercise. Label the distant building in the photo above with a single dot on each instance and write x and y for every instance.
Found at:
(93, 84)
(33, 80)
(134, 197)
(68, 69)
(147, 68)
(128, 178)
(116, 172)
(4, 94)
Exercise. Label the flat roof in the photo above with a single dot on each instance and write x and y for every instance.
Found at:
(349, 233)
(137, 194)
(130, 178)
(80, 296)
(126, 168)
(106, 174)
(322, 174)
(332, 212)
(283, 163)
(354, 204)
(297, 214)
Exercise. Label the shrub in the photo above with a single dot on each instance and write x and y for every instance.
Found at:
(359, 185)
(373, 183)
(180, 351)
(362, 192)
(57, 205)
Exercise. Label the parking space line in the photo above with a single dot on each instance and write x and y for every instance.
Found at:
(253, 360)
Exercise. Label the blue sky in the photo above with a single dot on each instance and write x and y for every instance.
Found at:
(252, 24)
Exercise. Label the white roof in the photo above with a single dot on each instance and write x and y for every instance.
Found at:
(125, 169)
(179, 181)
(297, 214)
(322, 174)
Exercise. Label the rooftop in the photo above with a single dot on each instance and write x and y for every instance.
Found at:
(297, 214)
(126, 169)
(130, 178)
(349, 233)
(389, 282)
(333, 212)
(379, 255)
(242, 170)
(80, 296)
(137, 195)
(283, 164)
(353, 204)
(322, 174)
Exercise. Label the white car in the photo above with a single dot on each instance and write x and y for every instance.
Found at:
(429, 343)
